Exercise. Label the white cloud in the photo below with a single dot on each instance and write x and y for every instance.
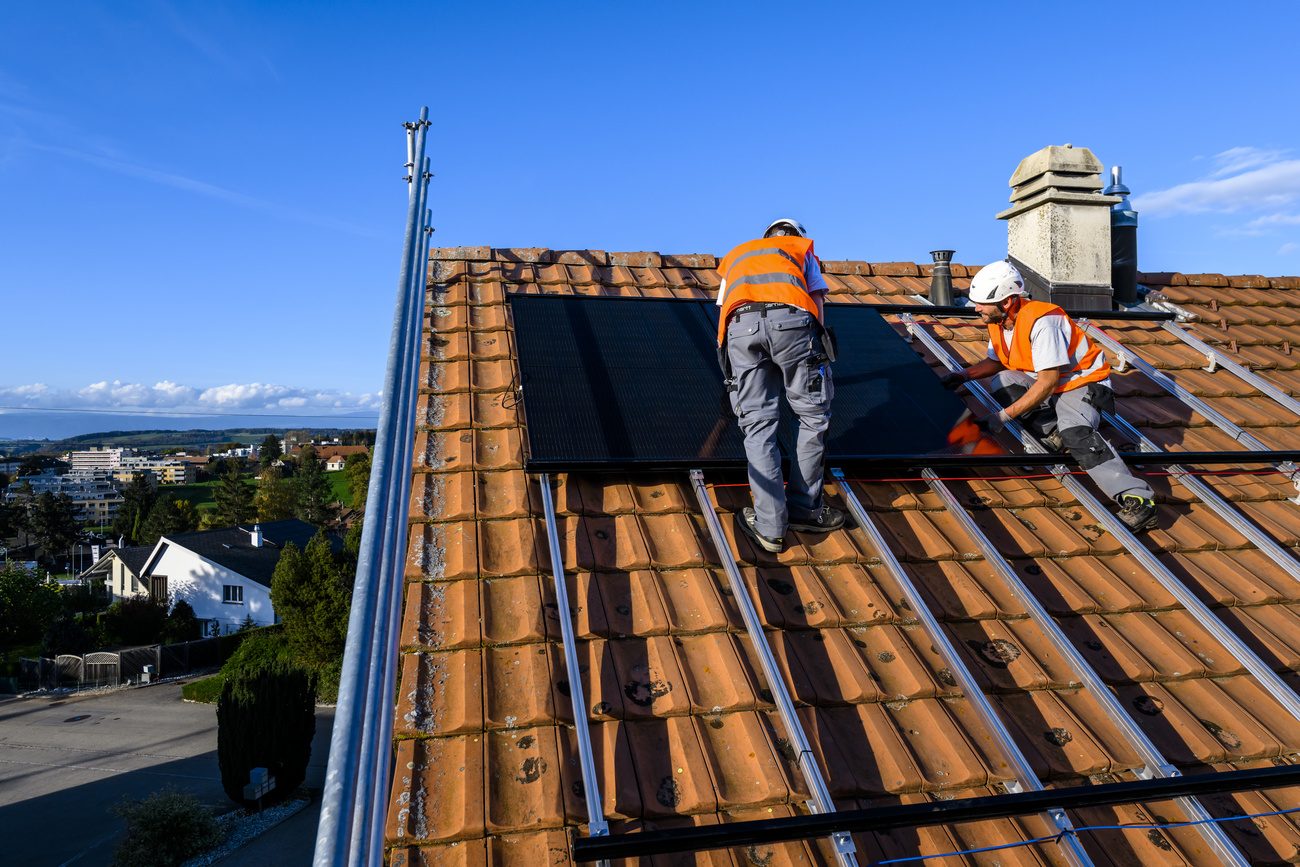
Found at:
(1287, 248)
(252, 397)
(1247, 179)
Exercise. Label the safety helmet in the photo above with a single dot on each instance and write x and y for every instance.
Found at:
(995, 282)
(793, 224)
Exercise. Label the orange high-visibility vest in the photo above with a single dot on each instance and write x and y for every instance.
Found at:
(1018, 356)
(767, 269)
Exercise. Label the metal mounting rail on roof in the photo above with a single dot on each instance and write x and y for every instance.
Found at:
(596, 823)
(822, 802)
(1025, 778)
(1127, 356)
(1218, 360)
(882, 820)
(1202, 614)
(1156, 765)
(353, 805)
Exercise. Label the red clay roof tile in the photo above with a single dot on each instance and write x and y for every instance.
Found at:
(440, 694)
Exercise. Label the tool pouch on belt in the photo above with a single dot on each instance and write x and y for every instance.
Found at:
(829, 346)
(724, 362)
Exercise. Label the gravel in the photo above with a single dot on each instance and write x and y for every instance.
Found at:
(240, 826)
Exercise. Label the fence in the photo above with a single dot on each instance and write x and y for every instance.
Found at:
(111, 668)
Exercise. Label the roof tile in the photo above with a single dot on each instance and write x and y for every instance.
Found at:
(526, 773)
(429, 803)
(641, 259)
(440, 693)
(468, 254)
(631, 603)
(512, 609)
(671, 768)
(442, 497)
(443, 551)
(516, 687)
(442, 616)
(522, 254)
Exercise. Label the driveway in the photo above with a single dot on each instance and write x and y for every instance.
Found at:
(64, 761)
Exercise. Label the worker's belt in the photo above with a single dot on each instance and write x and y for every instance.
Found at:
(760, 307)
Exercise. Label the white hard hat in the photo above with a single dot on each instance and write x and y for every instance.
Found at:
(995, 282)
(793, 224)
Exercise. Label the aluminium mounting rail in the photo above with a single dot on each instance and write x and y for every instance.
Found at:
(1025, 778)
(596, 824)
(1156, 765)
(841, 841)
(1218, 360)
(1126, 356)
(1267, 678)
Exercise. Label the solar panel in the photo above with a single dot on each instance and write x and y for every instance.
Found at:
(633, 383)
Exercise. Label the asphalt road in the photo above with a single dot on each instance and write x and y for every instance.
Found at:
(64, 761)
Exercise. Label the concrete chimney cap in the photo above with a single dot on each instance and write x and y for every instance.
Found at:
(1055, 158)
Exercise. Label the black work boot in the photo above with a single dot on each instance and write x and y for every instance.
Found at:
(1137, 513)
(767, 543)
(823, 522)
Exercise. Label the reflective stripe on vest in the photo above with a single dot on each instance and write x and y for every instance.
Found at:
(1089, 362)
(766, 269)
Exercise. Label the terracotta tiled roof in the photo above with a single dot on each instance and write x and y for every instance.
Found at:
(683, 725)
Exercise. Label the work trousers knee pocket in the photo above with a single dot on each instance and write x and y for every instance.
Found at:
(1086, 446)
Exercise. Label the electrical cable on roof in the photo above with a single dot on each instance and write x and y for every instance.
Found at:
(1077, 831)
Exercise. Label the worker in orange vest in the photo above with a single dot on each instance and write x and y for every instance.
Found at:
(1047, 374)
(770, 339)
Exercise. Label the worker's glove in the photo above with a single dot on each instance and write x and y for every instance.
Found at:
(953, 381)
(992, 424)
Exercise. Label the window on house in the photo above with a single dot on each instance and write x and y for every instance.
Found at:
(232, 593)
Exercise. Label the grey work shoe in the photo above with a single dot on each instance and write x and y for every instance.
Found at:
(1137, 513)
(823, 522)
(1053, 442)
(767, 543)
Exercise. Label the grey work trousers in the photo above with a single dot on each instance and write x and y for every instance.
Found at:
(1073, 414)
(769, 350)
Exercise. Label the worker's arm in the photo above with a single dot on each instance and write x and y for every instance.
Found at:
(982, 369)
(819, 298)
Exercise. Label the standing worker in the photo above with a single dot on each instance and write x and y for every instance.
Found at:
(770, 337)
(1050, 376)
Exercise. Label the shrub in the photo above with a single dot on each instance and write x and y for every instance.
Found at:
(207, 690)
(134, 621)
(65, 634)
(181, 624)
(266, 720)
(312, 593)
(260, 651)
(164, 829)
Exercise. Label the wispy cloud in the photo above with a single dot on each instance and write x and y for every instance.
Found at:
(202, 188)
(1246, 179)
(253, 397)
(1287, 248)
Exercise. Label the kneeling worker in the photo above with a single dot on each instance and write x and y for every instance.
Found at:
(1054, 380)
(770, 337)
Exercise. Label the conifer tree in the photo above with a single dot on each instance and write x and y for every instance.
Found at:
(266, 719)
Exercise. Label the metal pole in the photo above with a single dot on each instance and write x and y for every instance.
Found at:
(842, 843)
(596, 824)
(1020, 769)
(335, 838)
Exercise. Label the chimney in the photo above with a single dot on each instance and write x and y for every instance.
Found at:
(941, 278)
(257, 535)
(1123, 241)
(1058, 228)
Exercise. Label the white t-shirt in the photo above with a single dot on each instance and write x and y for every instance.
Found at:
(1049, 344)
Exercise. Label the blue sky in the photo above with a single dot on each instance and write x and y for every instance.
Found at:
(202, 205)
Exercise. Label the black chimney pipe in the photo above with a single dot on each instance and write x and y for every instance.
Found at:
(941, 278)
(1123, 241)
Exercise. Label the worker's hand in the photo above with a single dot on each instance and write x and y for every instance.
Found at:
(992, 424)
(953, 381)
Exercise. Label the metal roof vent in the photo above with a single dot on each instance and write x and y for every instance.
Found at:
(257, 535)
(1123, 240)
(941, 278)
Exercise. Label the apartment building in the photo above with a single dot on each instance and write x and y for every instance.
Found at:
(97, 458)
(96, 495)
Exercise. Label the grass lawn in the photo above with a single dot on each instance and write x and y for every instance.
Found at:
(339, 481)
(199, 493)
(207, 690)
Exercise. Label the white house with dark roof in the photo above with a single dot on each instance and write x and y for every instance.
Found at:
(225, 574)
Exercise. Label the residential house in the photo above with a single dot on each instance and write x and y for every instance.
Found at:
(225, 574)
(121, 570)
(682, 717)
(329, 452)
(336, 462)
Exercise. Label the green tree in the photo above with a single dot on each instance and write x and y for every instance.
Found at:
(53, 523)
(181, 624)
(266, 719)
(234, 499)
(65, 634)
(136, 620)
(13, 519)
(168, 517)
(312, 490)
(357, 471)
(312, 593)
(269, 451)
(274, 500)
(27, 604)
(139, 499)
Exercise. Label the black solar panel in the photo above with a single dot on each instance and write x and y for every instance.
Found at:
(633, 383)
